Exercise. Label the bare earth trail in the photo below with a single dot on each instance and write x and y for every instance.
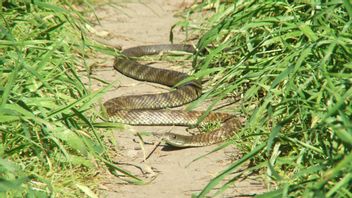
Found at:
(145, 22)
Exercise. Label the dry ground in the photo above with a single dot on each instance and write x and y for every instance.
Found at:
(144, 22)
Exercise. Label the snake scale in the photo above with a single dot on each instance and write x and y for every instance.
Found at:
(149, 109)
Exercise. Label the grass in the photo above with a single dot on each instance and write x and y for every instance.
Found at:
(291, 61)
(50, 139)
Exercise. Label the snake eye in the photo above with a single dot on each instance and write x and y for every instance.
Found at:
(173, 136)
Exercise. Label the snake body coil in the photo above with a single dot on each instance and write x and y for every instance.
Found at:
(147, 109)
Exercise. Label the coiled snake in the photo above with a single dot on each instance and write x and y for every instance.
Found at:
(147, 109)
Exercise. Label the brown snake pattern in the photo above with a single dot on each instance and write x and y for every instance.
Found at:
(148, 109)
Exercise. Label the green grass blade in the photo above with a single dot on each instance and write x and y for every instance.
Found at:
(229, 170)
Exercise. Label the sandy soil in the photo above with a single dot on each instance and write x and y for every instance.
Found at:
(170, 172)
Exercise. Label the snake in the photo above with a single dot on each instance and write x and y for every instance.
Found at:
(153, 109)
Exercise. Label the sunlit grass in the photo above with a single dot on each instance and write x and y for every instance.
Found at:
(292, 64)
(290, 61)
(50, 144)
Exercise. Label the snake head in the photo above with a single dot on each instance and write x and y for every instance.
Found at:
(176, 140)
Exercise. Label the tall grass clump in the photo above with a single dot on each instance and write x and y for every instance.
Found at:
(292, 63)
(48, 145)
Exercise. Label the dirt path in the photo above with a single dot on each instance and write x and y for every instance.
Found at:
(148, 22)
